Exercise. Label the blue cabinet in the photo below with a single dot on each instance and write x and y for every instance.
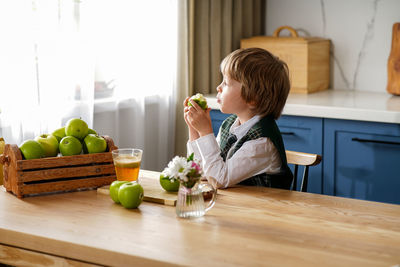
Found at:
(359, 159)
(362, 160)
(217, 117)
(304, 134)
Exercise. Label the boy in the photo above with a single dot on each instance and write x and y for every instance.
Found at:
(249, 148)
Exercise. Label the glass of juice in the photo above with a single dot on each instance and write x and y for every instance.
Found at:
(127, 163)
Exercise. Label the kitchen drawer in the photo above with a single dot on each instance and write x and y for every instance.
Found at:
(363, 160)
(302, 133)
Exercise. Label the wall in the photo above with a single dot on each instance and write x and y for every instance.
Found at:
(360, 32)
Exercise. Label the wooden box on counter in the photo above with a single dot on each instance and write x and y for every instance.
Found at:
(56, 174)
(306, 57)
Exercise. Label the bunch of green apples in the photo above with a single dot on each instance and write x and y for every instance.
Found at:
(128, 194)
(69, 140)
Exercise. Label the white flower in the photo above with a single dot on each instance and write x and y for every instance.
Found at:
(177, 168)
(180, 167)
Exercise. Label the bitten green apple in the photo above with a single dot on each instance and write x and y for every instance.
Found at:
(70, 145)
(32, 149)
(131, 195)
(200, 100)
(77, 128)
(114, 188)
(169, 186)
(94, 144)
(49, 143)
(59, 133)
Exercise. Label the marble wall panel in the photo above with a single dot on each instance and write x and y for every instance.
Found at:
(360, 31)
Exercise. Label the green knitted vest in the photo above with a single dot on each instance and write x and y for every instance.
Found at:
(266, 127)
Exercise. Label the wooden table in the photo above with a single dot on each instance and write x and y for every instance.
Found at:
(248, 226)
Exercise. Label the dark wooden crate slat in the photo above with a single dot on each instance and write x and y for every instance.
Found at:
(70, 185)
(56, 173)
(64, 161)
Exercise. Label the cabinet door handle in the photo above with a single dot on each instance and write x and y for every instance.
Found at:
(288, 133)
(374, 141)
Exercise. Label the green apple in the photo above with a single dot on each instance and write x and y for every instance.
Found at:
(70, 145)
(59, 133)
(114, 188)
(94, 144)
(49, 143)
(169, 186)
(199, 99)
(130, 195)
(84, 148)
(32, 149)
(91, 131)
(77, 128)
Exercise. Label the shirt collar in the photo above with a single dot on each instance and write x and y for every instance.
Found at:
(241, 130)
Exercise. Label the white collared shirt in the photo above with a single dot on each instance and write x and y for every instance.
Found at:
(254, 157)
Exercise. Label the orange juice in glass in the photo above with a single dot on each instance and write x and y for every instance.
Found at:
(127, 163)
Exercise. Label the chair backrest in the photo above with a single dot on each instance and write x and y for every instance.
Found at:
(302, 159)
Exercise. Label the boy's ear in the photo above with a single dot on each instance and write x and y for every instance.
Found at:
(252, 104)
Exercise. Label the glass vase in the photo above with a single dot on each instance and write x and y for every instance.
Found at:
(190, 202)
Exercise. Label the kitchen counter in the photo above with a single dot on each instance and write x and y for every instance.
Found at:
(248, 226)
(340, 104)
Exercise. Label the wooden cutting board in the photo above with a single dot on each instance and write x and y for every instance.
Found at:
(153, 192)
(393, 85)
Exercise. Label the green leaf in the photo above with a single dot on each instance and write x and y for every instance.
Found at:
(190, 158)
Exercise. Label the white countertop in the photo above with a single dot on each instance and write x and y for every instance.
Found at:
(340, 104)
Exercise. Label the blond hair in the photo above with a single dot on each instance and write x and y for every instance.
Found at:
(264, 78)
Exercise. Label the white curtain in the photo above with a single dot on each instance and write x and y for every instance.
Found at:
(111, 62)
(45, 67)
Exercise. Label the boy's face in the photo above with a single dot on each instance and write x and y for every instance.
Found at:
(229, 97)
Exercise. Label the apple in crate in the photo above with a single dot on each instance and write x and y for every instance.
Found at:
(70, 146)
(49, 144)
(77, 128)
(32, 149)
(94, 143)
(91, 131)
(59, 133)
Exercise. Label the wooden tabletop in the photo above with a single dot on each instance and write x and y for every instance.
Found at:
(248, 226)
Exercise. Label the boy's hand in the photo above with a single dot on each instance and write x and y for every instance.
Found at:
(198, 118)
(193, 134)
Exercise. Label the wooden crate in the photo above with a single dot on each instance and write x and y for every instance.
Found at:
(307, 58)
(56, 174)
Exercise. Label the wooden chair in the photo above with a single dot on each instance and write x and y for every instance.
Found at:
(302, 159)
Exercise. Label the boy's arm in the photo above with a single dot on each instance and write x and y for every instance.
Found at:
(193, 134)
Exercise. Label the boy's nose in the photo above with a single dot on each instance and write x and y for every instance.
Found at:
(219, 88)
